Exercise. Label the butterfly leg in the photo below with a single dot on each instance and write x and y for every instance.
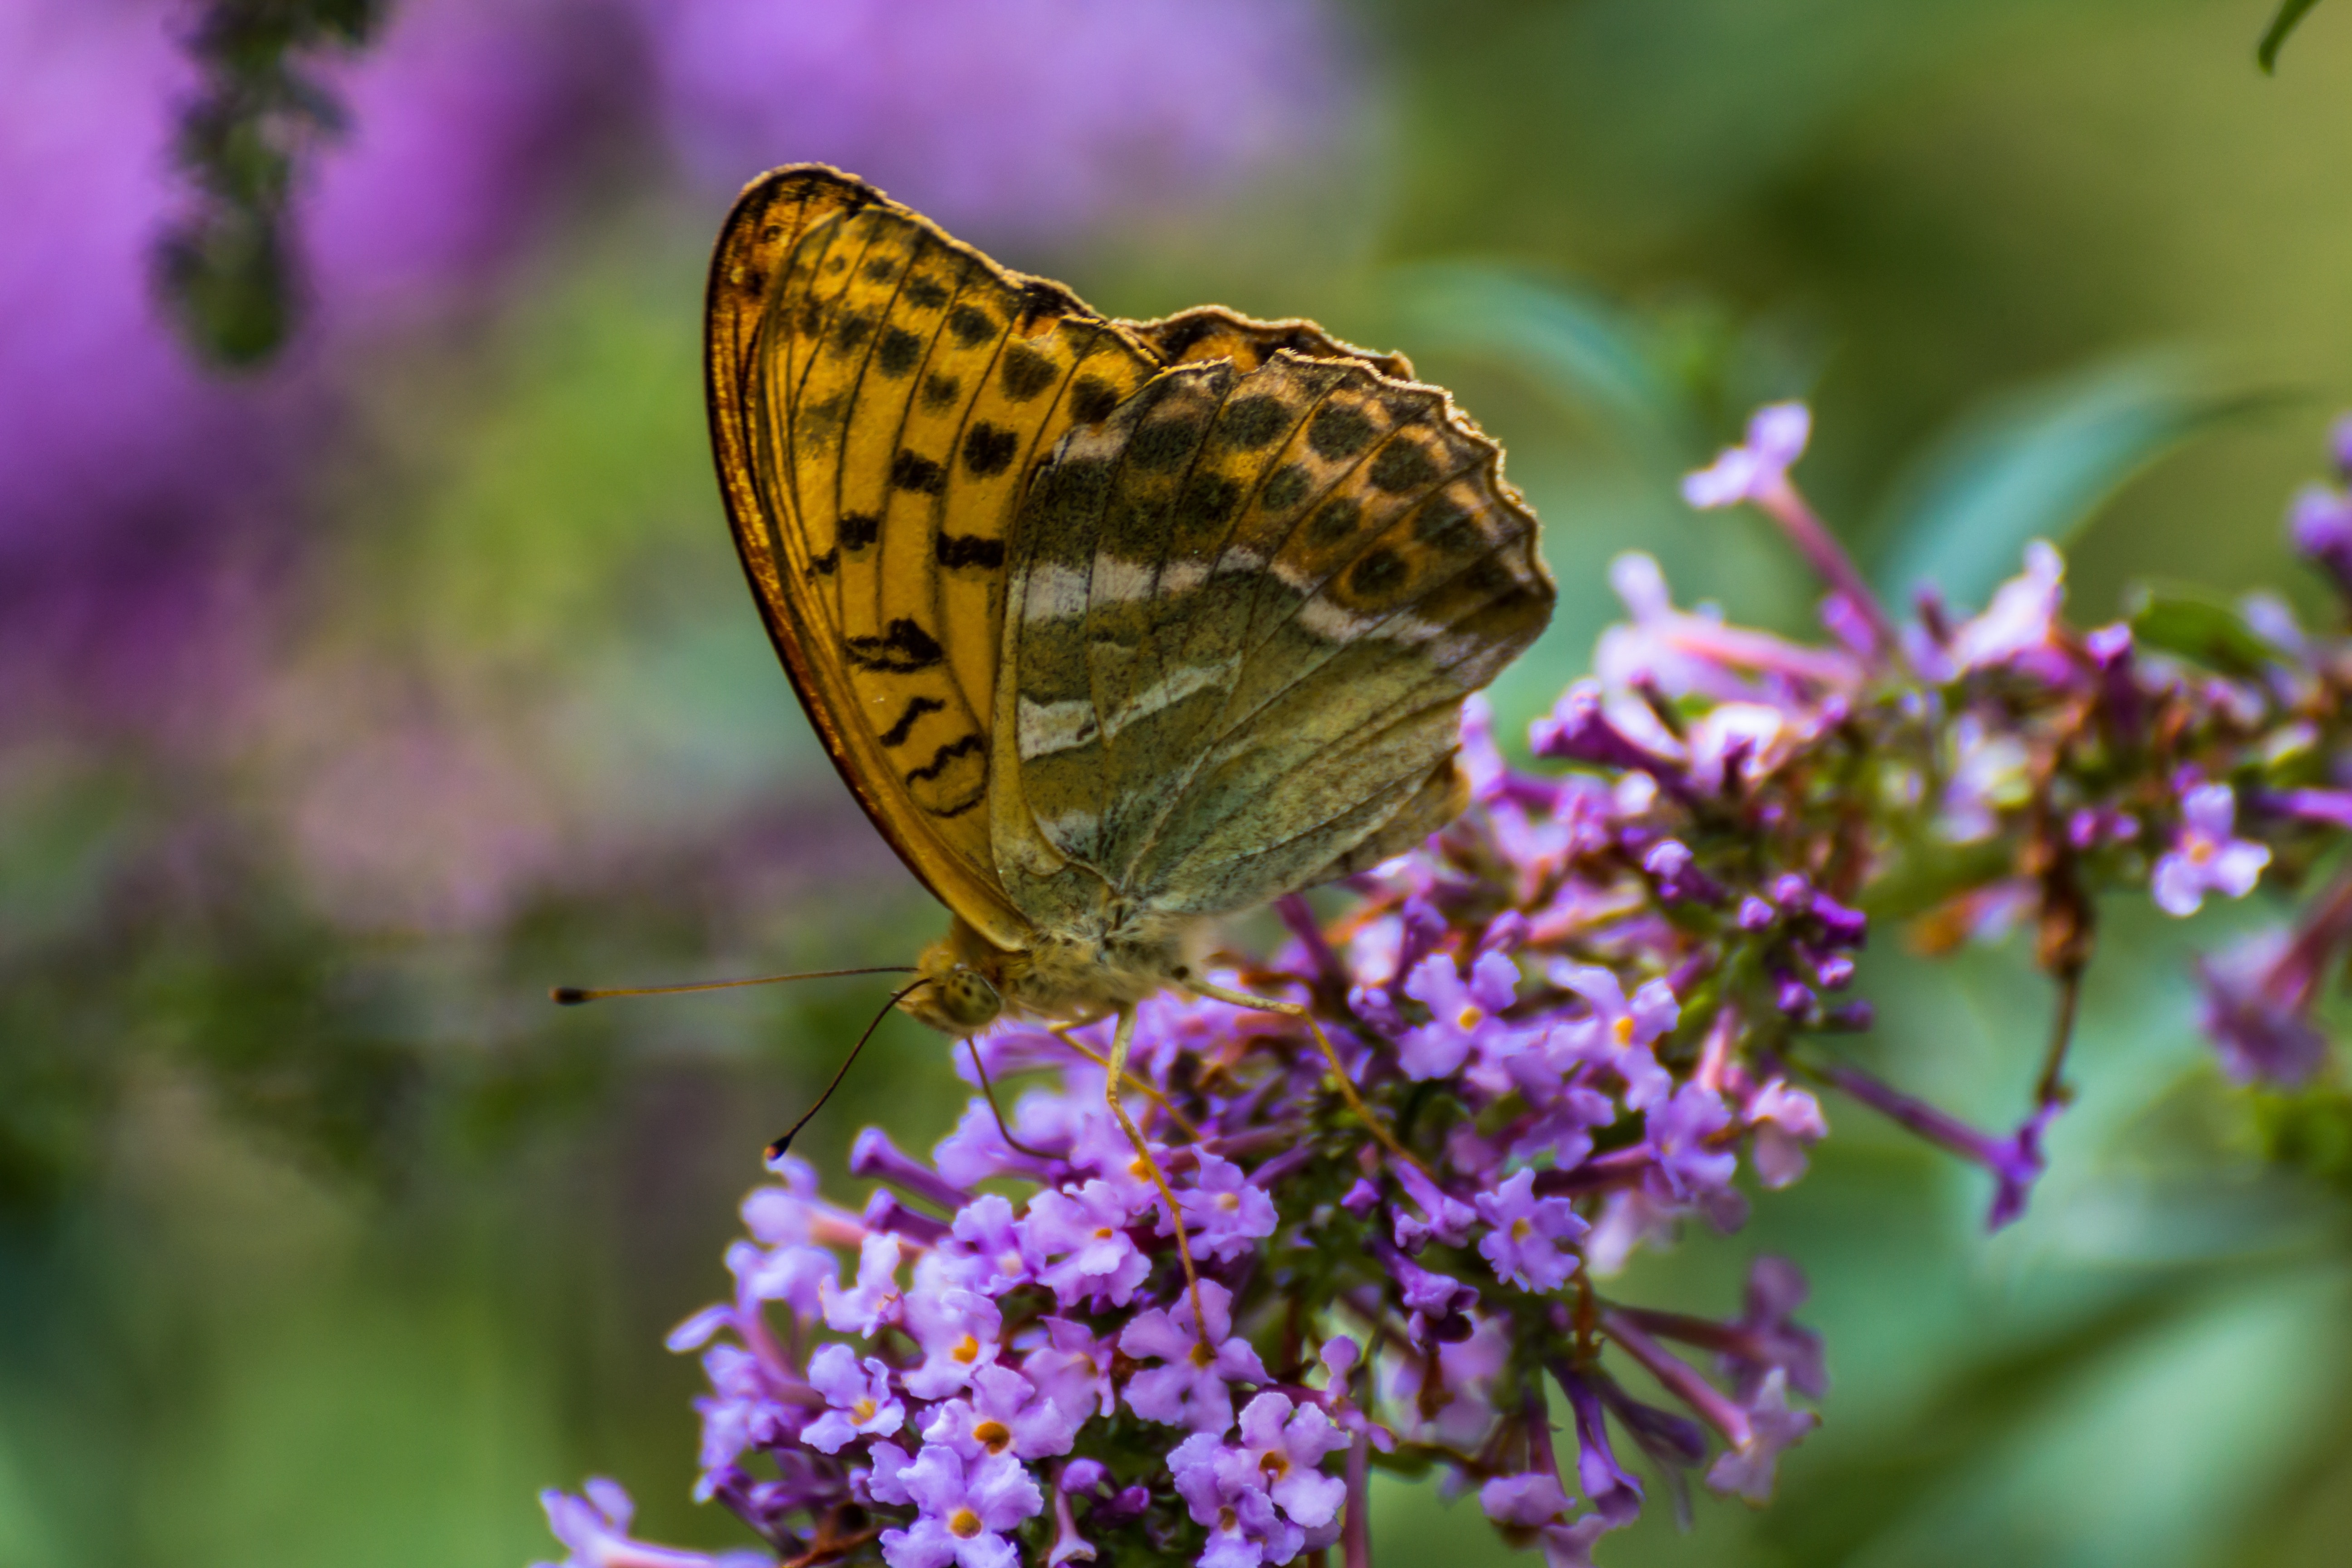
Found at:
(1120, 1043)
(1338, 1071)
(1062, 1032)
(1004, 1130)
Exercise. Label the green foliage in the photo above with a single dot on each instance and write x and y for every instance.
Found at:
(2038, 464)
(2189, 622)
(2290, 15)
(1586, 356)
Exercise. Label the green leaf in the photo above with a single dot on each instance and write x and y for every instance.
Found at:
(2036, 464)
(2291, 13)
(1575, 347)
(2185, 621)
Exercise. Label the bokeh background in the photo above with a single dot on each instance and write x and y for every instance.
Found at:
(347, 701)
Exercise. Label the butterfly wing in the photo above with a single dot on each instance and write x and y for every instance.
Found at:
(1213, 332)
(878, 394)
(1244, 611)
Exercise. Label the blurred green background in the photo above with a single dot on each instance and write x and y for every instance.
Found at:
(352, 701)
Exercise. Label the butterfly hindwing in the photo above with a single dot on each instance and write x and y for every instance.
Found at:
(880, 395)
(1243, 613)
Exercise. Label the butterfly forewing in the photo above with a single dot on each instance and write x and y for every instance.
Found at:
(876, 421)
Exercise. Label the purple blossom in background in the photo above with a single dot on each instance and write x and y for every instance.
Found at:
(999, 117)
(1577, 1013)
(594, 1530)
(1525, 1231)
(1758, 469)
(2206, 856)
(466, 118)
(2258, 995)
(2320, 524)
(2018, 623)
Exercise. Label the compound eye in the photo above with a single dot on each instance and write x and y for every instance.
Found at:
(970, 999)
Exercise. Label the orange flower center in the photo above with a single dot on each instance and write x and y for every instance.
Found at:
(863, 1410)
(1469, 1018)
(967, 1350)
(992, 1436)
(963, 1524)
(1623, 1030)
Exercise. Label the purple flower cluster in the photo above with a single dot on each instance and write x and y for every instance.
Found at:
(1594, 1010)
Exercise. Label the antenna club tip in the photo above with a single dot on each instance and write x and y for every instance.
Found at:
(569, 996)
(779, 1149)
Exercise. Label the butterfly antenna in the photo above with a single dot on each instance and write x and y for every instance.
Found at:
(573, 995)
(782, 1146)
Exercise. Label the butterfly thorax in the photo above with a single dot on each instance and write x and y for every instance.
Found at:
(1074, 974)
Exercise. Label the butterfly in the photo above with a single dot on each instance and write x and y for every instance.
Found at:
(1112, 628)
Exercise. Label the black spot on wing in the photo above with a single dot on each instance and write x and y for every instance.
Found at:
(898, 352)
(1402, 467)
(969, 549)
(1207, 501)
(1333, 520)
(943, 756)
(1447, 528)
(1338, 431)
(915, 708)
(969, 324)
(1253, 422)
(903, 647)
(857, 530)
(925, 294)
(1025, 373)
(1040, 297)
(939, 390)
(1162, 444)
(824, 566)
(849, 333)
(988, 449)
(1175, 342)
(1380, 573)
(1092, 399)
(1285, 488)
(912, 471)
(1071, 494)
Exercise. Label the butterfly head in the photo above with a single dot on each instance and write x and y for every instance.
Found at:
(958, 994)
